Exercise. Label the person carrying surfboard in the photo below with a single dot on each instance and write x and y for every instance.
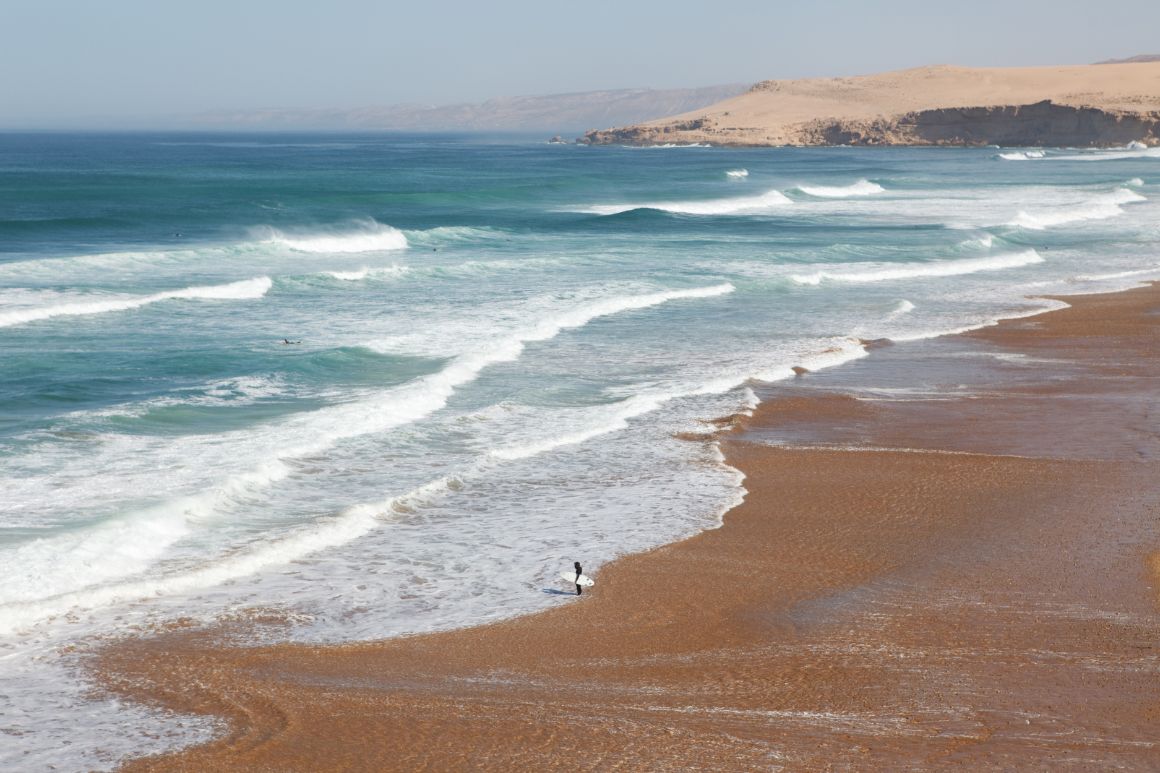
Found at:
(579, 571)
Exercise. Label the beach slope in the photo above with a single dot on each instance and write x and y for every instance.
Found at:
(960, 580)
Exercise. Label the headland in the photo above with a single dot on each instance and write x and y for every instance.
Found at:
(1100, 105)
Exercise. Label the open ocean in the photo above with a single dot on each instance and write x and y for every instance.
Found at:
(494, 344)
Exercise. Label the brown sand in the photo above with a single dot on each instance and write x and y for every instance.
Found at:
(863, 609)
(795, 112)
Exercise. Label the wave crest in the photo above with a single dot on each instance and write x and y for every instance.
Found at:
(1023, 155)
(732, 206)
(366, 273)
(860, 188)
(247, 289)
(919, 270)
(1098, 208)
(369, 236)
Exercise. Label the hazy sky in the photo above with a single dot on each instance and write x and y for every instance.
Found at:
(68, 62)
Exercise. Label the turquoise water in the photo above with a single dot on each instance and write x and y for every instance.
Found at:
(493, 345)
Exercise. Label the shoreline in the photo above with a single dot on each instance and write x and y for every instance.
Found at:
(831, 619)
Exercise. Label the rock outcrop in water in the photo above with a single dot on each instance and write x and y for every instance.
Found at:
(1083, 106)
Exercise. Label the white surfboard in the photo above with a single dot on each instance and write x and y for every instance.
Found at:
(584, 580)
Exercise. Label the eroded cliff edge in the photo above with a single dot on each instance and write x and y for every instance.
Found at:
(1040, 124)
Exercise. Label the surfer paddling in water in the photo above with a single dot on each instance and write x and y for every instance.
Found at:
(579, 571)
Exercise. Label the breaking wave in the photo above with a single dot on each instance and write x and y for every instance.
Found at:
(368, 236)
(860, 188)
(770, 200)
(1099, 208)
(1024, 155)
(904, 307)
(139, 538)
(247, 289)
(454, 234)
(367, 273)
(917, 270)
(1132, 150)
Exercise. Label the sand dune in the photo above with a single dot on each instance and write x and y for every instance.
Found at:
(1083, 105)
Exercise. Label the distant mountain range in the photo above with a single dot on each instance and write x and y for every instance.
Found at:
(556, 114)
(1133, 59)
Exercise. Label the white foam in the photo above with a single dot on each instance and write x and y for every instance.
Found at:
(326, 533)
(1101, 207)
(986, 241)
(247, 289)
(1133, 150)
(888, 272)
(1135, 182)
(737, 174)
(1025, 155)
(594, 422)
(839, 352)
(920, 335)
(611, 420)
(1154, 270)
(365, 273)
(76, 563)
(860, 188)
(669, 145)
(367, 236)
(770, 200)
(241, 390)
(904, 307)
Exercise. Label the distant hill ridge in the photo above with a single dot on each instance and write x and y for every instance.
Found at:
(1133, 59)
(1076, 105)
(554, 113)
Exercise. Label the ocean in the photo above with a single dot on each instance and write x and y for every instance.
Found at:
(357, 386)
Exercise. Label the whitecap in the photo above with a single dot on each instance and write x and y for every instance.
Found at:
(247, 289)
(365, 236)
(385, 272)
(1023, 155)
(860, 188)
(940, 268)
(903, 307)
(1100, 207)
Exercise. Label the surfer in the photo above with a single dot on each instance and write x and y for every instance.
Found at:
(579, 571)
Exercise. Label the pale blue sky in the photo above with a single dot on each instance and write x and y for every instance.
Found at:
(68, 62)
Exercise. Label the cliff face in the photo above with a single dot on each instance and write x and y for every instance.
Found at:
(1083, 106)
(1040, 124)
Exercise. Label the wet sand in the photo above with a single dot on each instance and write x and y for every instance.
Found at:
(948, 559)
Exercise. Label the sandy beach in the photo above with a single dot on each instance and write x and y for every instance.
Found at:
(947, 559)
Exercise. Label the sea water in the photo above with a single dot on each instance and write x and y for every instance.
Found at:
(493, 348)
